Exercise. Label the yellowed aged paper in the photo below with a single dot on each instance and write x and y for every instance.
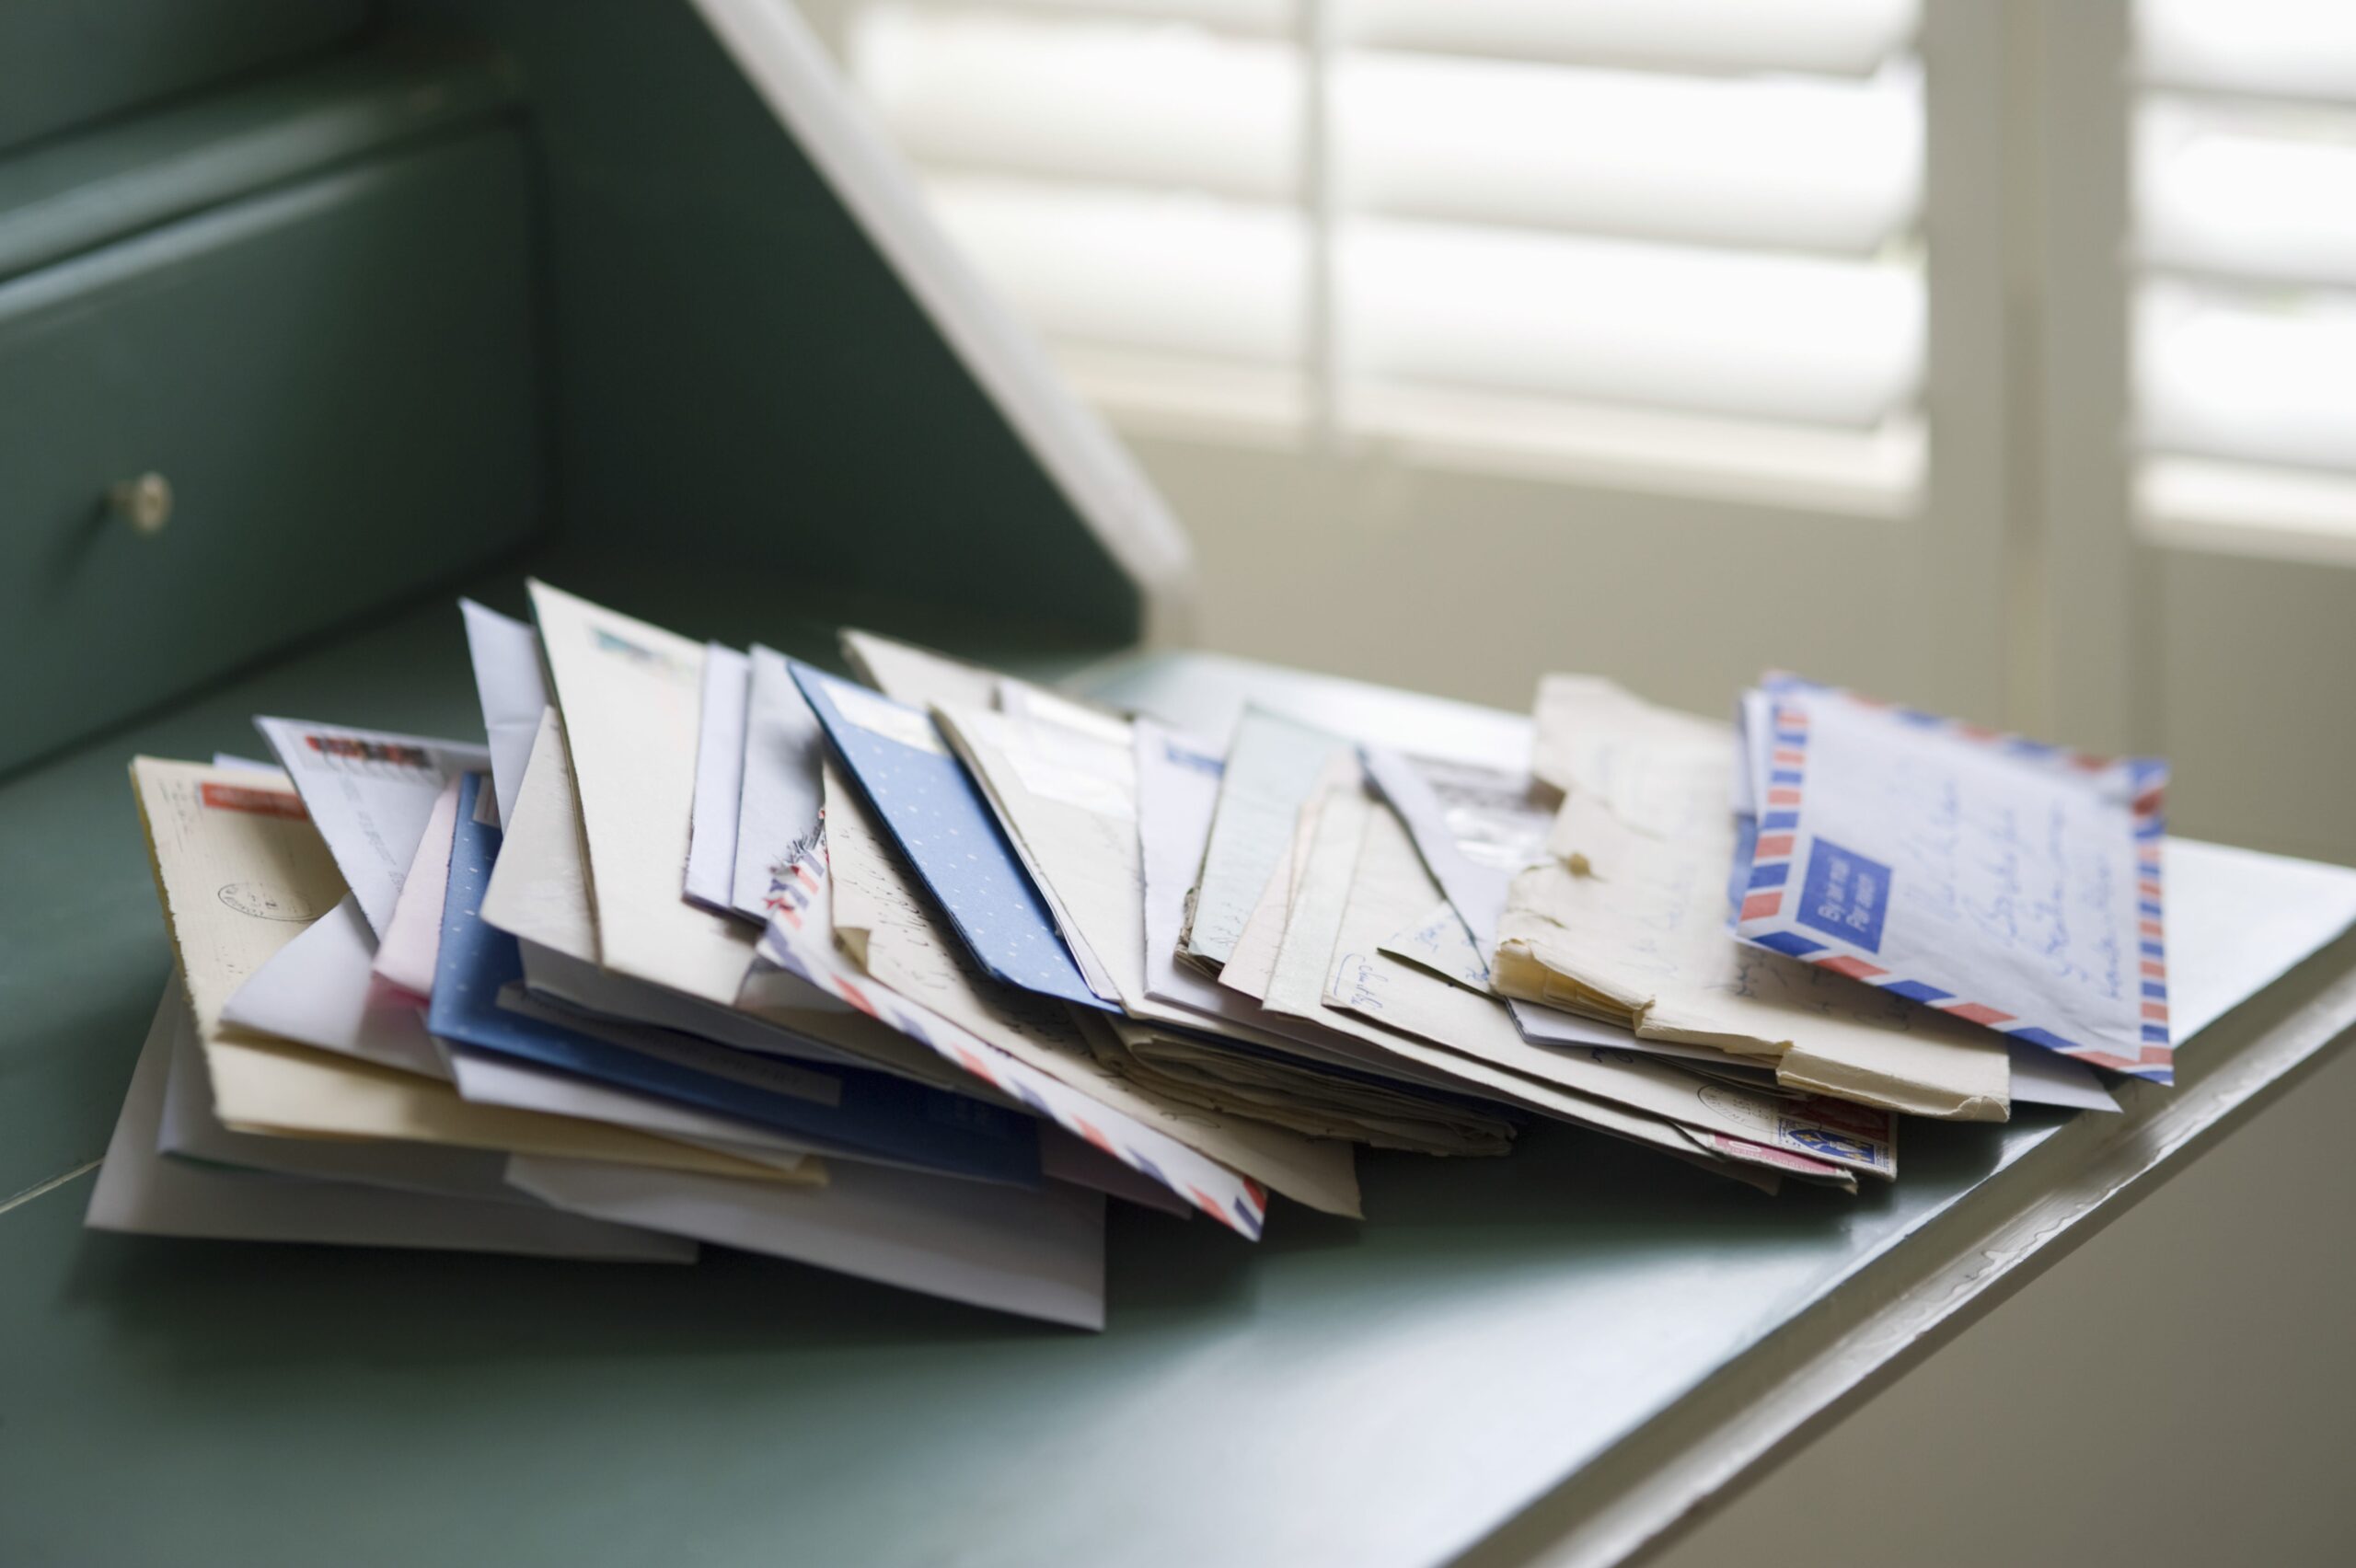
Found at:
(267, 1086)
(1626, 923)
(239, 868)
(1640, 1096)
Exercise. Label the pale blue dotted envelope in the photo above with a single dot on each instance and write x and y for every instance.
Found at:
(937, 815)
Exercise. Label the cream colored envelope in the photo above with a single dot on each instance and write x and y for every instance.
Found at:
(241, 873)
(631, 695)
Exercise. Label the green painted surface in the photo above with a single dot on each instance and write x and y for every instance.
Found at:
(67, 62)
(68, 195)
(337, 379)
(739, 377)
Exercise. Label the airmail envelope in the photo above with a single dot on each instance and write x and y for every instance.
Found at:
(371, 793)
(2010, 883)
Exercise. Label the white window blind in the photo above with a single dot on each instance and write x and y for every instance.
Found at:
(1670, 235)
(2245, 262)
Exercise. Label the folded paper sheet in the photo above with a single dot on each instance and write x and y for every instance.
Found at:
(320, 990)
(1475, 827)
(1178, 780)
(1488, 1053)
(1065, 799)
(1625, 923)
(1991, 877)
(1274, 766)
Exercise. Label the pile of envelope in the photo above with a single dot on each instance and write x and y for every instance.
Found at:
(908, 977)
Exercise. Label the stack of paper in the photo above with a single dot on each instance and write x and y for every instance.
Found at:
(907, 979)
(1629, 919)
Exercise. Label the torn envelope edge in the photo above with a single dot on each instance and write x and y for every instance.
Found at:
(1840, 1134)
(1236, 1201)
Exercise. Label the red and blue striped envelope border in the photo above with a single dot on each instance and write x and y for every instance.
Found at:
(1784, 799)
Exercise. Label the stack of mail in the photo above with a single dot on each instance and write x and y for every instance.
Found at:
(1660, 904)
(908, 976)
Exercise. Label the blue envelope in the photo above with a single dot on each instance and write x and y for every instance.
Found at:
(850, 1112)
(941, 821)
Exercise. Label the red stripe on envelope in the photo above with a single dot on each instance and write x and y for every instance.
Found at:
(1976, 1013)
(260, 802)
(1775, 843)
(1760, 905)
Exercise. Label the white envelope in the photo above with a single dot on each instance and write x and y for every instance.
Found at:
(720, 773)
(138, 1190)
(777, 812)
(506, 655)
(1036, 1253)
(408, 948)
(1273, 769)
(371, 793)
(320, 990)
